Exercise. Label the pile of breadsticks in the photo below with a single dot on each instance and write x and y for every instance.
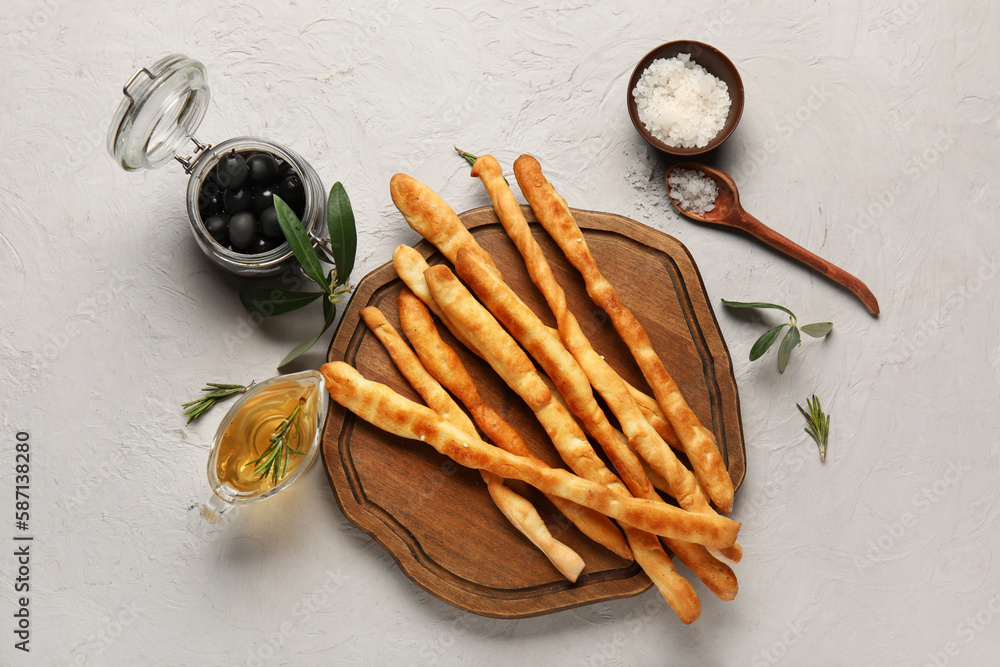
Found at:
(485, 314)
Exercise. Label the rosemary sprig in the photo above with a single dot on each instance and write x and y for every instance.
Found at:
(817, 424)
(471, 159)
(274, 460)
(214, 392)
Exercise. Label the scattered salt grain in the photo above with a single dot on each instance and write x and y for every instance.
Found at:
(680, 103)
(692, 190)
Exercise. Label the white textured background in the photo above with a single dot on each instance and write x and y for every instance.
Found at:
(869, 135)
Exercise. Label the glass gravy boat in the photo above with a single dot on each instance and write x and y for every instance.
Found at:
(244, 435)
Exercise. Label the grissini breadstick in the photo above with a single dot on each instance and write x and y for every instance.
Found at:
(599, 373)
(654, 415)
(429, 215)
(517, 370)
(546, 349)
(517, 509)
(388, 410)
(406, 361)
(523, 516)
(384, 408)
(699, 443)
(655, 562)
(642, 437)
(444, 364)
(571, 381)
(410, 266)
(487, 169)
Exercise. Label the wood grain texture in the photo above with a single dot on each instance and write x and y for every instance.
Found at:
(435, 518)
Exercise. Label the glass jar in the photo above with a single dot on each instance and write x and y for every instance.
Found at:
(164, 105)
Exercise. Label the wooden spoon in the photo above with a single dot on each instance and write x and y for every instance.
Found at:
(730, 213)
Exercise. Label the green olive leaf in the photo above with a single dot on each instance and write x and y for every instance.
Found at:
(817, 329)
(765, 342)
(792, 337)
(343, 232)
(788, 344)
(299, 241)
(755, 304)
(341, 253)
(271, 301)
(306, 344)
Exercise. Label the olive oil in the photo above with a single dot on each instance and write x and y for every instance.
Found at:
(249, 433)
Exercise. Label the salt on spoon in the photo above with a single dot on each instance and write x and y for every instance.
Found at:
(689, 192)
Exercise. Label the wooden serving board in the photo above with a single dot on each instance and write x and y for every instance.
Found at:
(437, 519)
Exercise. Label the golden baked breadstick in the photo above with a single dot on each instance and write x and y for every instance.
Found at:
(434, 395)
(643, 437)
(388, 410)
(444, 364)
(523, 516)
(571, 381)
(713, 571)
(545, 348)
(384, 408)
(517, 370)
(517, 509)
(655, 562)
(432, 218)
(599, 373)
(699, 443)
(410, 266)
(654, 415)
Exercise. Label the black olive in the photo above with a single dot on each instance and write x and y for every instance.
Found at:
(212, 182)
(209, 203)
(263, 199)
(237, 201)
(231, 171)
(269, 224)
(243, 231)
(263, 168)
(290, 189)
(218, 227)
(264, 244)
(210, 186)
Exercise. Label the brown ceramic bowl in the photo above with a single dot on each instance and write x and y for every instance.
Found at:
(716, 64)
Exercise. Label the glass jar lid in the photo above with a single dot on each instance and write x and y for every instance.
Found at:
(163, 106)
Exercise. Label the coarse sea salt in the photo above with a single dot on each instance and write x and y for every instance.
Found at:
(692, 190)
(680, 103)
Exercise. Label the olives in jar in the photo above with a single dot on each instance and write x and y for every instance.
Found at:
(236, 201)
